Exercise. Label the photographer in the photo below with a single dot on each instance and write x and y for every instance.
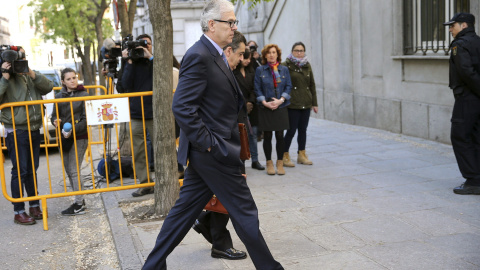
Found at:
(138, 77)
(19, 87)
(256, 57)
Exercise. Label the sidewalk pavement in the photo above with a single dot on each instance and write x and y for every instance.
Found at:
(372, 200)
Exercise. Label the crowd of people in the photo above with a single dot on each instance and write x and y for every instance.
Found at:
(220, 75)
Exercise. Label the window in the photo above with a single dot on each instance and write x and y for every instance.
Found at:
(424, 31)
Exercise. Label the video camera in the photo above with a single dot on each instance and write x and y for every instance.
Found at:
(13, 55)
(132, 45)
(110, 52)
(253, 48)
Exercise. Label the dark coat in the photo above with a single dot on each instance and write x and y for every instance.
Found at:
(138, 77)
(465, 62)
(206, 104)
(246, 85)
(304, 94)
(64, 111)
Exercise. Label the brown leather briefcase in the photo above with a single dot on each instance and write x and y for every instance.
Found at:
(245, 148)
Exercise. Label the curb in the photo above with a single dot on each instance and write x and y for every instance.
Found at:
(124, 245)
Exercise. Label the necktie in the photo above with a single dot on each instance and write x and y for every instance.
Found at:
(225, 60)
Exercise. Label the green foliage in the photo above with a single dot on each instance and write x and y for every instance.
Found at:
(66, 21)
(107, 28)
(253, 3)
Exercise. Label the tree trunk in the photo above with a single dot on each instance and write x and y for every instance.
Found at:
(126, 18)
(86, 65)
(166, 183)
(97, 20)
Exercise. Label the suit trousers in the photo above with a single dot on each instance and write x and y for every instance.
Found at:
(205, 176)
(465, 136)
(141, 168)
(216, 223)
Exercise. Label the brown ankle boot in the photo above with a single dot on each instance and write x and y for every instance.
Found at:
(303, 159)
(287, 162)
(280, 169)
(270, 168)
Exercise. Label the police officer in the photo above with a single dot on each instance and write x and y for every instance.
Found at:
(465, 83)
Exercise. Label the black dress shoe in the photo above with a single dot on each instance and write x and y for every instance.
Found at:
(201, 229)
(464, 189)
(257, 165)
(229, 254)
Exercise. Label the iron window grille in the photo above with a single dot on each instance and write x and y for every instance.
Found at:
(424, 31)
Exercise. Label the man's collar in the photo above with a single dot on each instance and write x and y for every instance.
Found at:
(220, 50)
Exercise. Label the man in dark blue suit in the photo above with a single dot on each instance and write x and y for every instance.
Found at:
(206, 106)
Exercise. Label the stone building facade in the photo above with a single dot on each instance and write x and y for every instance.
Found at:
(377, 63)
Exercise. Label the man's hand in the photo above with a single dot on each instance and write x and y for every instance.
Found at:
(31, 73)
(249, 107)
(6, 66)
(315, 109)
(125, 55)
(146, 53)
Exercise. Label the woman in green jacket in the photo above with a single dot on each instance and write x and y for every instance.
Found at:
(303, 99)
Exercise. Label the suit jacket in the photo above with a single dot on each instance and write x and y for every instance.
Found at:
(206, 105)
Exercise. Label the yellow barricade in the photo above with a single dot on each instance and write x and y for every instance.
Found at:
(46, 166)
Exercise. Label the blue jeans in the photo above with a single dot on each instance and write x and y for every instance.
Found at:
(252, 143)
(25, 161)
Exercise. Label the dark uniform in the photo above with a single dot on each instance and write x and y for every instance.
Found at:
(465, 83)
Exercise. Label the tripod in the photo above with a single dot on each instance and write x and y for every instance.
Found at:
(107, 132)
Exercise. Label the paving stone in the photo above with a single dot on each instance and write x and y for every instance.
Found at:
(388, 179)
(427, 221)
(383, 229)
(447, 171)
(396, 164)
(465, 244)
(292, 244)
(413, 255)
(333, 214)
(332, 237)
(352, 159)
(281, 221)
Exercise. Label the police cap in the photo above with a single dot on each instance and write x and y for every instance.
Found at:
(461, 17)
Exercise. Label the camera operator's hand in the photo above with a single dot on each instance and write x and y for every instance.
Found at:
(6, 65)
(104, 72)
(146, 52)
(31, 73)
(125, 55)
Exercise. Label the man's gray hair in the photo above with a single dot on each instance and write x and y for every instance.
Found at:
(213, 10)
(238, 38)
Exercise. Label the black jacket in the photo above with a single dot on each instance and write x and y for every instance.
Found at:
(64, 112)
(465, 62)
(246, 85)
(138, 77)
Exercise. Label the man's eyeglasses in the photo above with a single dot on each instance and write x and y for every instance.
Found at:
(231, 23)
(298, 51)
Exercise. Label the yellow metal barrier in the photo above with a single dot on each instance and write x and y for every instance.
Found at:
(66, 193)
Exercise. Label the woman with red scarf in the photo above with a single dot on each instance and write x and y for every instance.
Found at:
(71, 89)
(272, 88)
